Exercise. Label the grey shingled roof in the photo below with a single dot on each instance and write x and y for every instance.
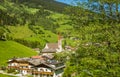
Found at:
(36, 62)
(51, 48)
(52, 45)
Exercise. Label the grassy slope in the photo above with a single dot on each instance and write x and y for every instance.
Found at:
(23, 32)
(47, 4)
(65, 27)
(9, 49)
(2, 75)
(7, 5)
(20, 32)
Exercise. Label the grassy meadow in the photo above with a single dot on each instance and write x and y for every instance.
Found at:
(2, 75)
(11, 49)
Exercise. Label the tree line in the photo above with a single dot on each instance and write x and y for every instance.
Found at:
(98, 28)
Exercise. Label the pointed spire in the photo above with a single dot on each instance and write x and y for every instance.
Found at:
(59, 42)
(59, 36)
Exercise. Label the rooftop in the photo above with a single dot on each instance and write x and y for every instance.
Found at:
(36, 62)
(52, 45)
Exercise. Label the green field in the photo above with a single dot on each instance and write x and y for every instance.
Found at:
(2, 75)
(9, 49)
(38, 34)
(19, 32)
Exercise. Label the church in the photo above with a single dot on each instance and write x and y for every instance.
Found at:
(51, 48)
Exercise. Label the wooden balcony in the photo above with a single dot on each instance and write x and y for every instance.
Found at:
(23, 64)
(13, 67)
(18, 68)
(24, 69)
(34, 72)
(45, 73)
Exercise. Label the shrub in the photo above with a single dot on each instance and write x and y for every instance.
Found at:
(10, 70)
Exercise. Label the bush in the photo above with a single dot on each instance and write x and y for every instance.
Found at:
(16, 72)
(10, 70)
(2, 68)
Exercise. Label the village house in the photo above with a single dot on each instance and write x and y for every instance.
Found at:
(69, 48)
(36, 49)
(37, 66)
(51, 48)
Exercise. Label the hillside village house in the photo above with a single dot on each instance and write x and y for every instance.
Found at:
(37, 66)
(36, 49)
(51, 48)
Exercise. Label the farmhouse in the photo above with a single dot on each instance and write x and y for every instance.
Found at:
(37, 66)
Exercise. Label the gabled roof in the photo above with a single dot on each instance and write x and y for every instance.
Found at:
(35, 62)
(49, 50)
(48, 56)
(51, 66)
(32, 61)
(37, 57)
(22, 60)
(52, 48)
(52, 45)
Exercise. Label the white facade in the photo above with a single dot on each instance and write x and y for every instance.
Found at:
(46, 46)
(42, 69)
(24, 72)
(13, 64)
(57, 75)
(53, 47)
(39, 70)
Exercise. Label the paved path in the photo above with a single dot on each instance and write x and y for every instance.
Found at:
(2, 72)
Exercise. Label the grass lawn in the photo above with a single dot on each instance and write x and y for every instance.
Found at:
(9, 49)
(20, 32)
(2, 75)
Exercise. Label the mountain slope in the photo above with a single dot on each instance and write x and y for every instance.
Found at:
(10, 49)
(34, 25)
(47, 4)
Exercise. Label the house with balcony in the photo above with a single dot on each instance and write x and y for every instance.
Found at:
(37, 67)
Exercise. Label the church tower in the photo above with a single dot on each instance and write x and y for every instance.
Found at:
(59, 42)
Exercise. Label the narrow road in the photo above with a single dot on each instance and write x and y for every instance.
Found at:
(2, 72)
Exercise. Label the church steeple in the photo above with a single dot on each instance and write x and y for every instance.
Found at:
(59, 41)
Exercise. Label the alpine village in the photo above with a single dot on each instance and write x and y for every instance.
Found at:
(59, 38)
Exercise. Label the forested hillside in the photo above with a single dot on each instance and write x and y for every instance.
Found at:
(98, 54)
(46, 4)
(28, 25)
(92, 28)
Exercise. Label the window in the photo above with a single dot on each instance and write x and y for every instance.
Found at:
(41, 70)
(46, 69)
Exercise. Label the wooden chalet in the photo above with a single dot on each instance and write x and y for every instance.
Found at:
(37, 67)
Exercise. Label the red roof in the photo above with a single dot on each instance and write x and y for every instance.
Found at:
(37, 57)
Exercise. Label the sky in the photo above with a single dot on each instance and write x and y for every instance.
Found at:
(65, 1)
(71, 1)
